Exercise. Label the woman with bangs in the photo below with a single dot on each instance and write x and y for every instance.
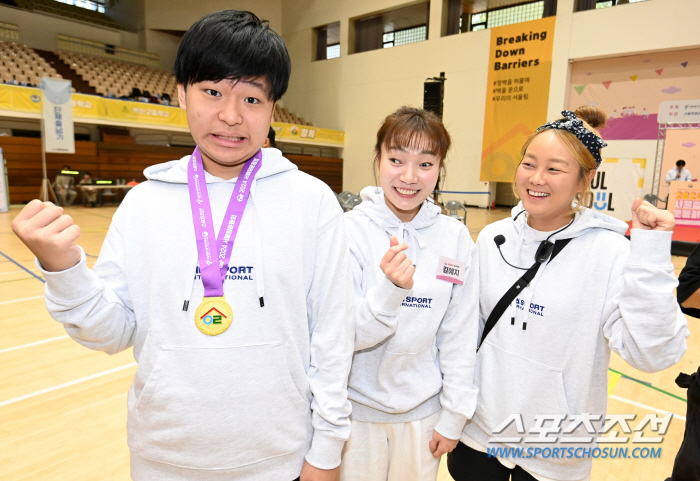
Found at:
(416, 287)
(560, 288)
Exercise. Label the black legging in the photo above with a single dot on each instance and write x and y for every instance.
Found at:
(467, 464)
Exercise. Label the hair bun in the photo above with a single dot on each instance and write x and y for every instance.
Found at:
(593, 116)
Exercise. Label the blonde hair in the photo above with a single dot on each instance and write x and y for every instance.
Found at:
(593, 119)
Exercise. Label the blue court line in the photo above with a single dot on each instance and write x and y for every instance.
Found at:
(88, 255)
(21, 266)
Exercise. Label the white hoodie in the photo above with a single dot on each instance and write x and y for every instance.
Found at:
(549, 352)
(415, 349)
(250, 403)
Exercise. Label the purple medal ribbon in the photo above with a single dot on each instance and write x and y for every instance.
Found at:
(214, 255)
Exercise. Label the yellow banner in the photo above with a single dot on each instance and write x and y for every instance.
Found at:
(94, 108)
(308, 135)
(684, 202)
(520, 64)
(28, 100)
(20, 99)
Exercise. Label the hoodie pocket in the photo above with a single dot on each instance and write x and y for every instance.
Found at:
(510, 384)
(398, 382)
(220, 408)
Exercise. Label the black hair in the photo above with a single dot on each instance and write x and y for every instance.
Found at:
(680, 163)
(271, 136)
(233, 45)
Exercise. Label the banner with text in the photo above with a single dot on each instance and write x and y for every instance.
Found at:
(615, 186)
(684, 202)
(520, 64)
(57, 115)
(95, 109)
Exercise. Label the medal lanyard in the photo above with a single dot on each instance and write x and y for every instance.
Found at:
(214, 254)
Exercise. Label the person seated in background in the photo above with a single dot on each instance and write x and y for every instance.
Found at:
(89, 194)
(270, 140)
(165, 99)
(679, 172)
(64, 187)
(135, 94)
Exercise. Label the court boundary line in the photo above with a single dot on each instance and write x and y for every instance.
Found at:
(21, 300)
(644, 406)
(37, 343)
(11, 272)
(647, 384)
(66, 384)
(21, 266)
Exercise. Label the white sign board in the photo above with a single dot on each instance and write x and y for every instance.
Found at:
(615, 186)
(4, 197)
(676, 111)
(58, 116)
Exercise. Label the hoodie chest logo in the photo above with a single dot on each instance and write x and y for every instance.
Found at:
(235, 273)
(419, 302)
(535, 309)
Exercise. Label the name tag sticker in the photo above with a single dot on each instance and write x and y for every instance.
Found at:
(451, 270)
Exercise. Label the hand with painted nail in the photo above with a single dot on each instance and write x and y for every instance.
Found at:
(49, 234)
(396, 265)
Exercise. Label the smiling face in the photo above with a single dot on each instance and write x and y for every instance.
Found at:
(407, 176)
(229, 121)
(548, 179)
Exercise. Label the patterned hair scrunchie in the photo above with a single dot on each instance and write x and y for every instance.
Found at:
(575, 125)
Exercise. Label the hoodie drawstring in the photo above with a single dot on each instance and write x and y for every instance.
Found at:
(413, 236)
(257, 247)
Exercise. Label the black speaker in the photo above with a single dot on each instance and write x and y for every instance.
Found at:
(433, 93)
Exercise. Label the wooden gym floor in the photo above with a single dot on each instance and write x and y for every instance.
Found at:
(63, 406)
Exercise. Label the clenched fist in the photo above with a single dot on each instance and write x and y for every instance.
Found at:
(646, 216)
(396, 265)
(49, 234)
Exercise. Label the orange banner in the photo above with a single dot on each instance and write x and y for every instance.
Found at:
(520, 64)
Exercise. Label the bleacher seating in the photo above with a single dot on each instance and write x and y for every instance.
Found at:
(20, 63)
(119, 78)
(70, 11)
(284, 115)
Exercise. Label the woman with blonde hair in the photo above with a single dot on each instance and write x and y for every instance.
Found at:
(560, 287)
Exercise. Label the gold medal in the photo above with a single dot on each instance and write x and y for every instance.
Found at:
(213, 316)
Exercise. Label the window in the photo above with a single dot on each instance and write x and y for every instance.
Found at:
(612, 3)
(393, 28)
(582, 5)
(95, 5)
(507, 15)
(410, 35)
(404, 37)
(328, 41)
(333, 51)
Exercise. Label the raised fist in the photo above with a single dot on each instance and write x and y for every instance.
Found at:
(49, 234)
(646, 216)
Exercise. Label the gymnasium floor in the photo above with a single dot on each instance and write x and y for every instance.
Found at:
(63, 406)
